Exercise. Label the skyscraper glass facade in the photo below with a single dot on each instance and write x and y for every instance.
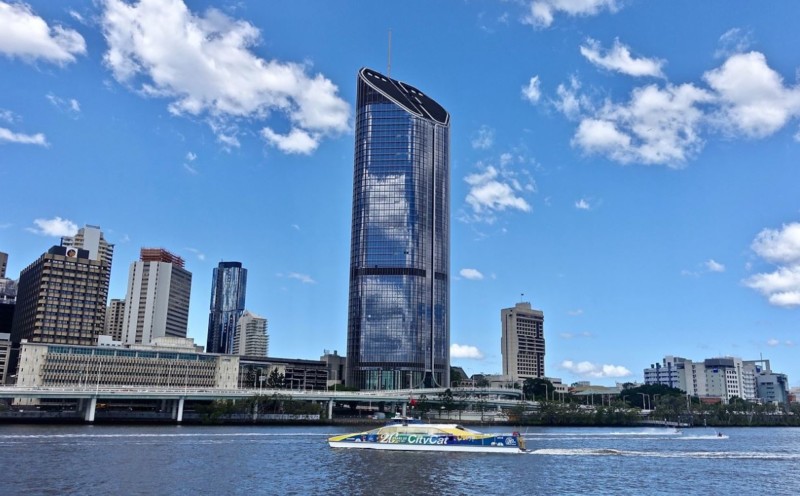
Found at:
(398, 332)
(228, 288)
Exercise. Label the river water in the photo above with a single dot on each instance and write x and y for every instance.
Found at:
(198, 460)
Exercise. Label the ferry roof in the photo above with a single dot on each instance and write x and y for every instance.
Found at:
(406, 96)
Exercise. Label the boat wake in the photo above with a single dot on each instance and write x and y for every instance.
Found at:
(155, 435)
(735, 455)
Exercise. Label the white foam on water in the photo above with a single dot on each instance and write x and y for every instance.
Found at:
(733, 455)
(575, 435)
(155, 435)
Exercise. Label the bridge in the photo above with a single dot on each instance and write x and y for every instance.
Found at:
(88, 397)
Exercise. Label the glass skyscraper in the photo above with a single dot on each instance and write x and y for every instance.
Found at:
(228, 287)
(398, 331)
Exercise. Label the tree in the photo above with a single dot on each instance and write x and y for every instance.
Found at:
(533, 387)
(457, 375)
(447, 400)
(275, 379)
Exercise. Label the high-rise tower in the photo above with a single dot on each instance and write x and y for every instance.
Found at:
(398, 331)
(61, 298)
(522, 342)
(157, 303)
(228, 288)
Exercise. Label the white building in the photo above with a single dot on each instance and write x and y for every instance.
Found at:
(522, 342)
(91, 238)
(251, 336)
(721, 377)
(157, 302)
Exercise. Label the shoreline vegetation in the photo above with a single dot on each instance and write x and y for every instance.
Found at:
(667, 407)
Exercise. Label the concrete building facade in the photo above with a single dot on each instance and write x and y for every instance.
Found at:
(61, 298)
(720, 377)
(157, 300)
(251, 336)
(170, 363)
(115, 319)
(522, 342)
(91, 238)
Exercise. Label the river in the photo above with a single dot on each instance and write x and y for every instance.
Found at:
(198, 460)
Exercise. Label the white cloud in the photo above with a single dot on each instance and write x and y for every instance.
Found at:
(753, 99)
(541, 12)
(782, 248)
(483, 139)
(657, 126)
(200, 255)
(494, 190)
(619, 59)
(471, 274)
(54, 227)
(7, 116)
(297, 141)
(191, 170)
(465, 351)
(714, 266)
(575, 312)
(779, 246)
(588, 369)
(733, 41)
(773, 342)
(532, 92)
(71, 105)
(203, 64)
(664, 124)
(23, 139)
(295, 227)
(583, 204)
(25, 35)
(191, 157)
(304, 278)
(570, 102)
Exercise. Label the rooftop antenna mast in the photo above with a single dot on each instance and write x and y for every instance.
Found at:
(389, 56)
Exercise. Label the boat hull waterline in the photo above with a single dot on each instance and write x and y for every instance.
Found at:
(430, 437)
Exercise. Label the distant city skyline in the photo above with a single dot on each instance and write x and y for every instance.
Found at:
(629, 166)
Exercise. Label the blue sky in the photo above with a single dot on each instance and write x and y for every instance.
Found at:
(630, 167)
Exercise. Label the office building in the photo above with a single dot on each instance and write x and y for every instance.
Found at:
(8, 301)
(157, 301)
(522, 342)
(398, 331)
(61, 298)
(336, 366)
(5, 356)
(255, 372)
(772, 387)
(115, 319)
(228, 288)
(720, 377)
(91, 238)
(3, 264)
(167, 362)
(251, 336)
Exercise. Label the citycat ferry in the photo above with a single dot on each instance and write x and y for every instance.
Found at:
(406, 434)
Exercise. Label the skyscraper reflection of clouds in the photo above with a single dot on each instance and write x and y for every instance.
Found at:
(228, 290)
(398, 316)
